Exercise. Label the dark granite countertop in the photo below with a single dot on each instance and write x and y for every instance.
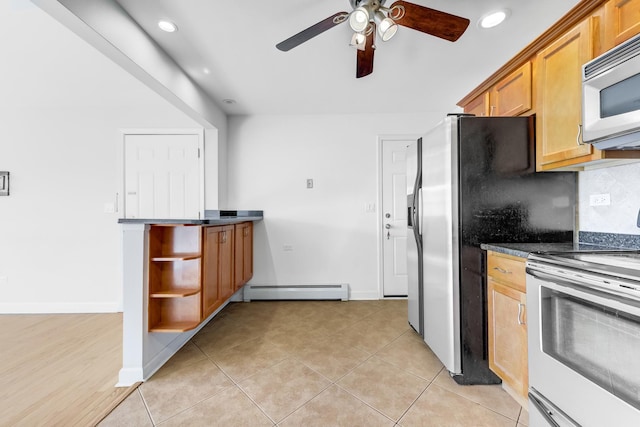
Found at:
(523, 250)
(211, 217)
(587, 241)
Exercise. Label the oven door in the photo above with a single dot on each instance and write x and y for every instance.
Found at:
(584, 351)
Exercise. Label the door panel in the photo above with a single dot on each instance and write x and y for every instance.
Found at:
(394, 216)
(162, 176)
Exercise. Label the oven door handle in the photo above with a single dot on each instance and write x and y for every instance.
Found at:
(542, 409)
(584, 287)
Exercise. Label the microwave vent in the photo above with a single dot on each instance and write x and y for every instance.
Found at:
(613, 57)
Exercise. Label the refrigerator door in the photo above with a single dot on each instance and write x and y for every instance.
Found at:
(441, 298)
(414, 240)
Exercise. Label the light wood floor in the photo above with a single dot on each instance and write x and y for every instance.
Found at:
(59, 370)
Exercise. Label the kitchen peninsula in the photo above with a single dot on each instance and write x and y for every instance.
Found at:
(177, 275)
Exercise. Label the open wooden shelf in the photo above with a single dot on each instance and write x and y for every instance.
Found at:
(174, 293)
(175, 254)
(176, 257)
(174, 327)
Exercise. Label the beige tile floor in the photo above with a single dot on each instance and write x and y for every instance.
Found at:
(311, 363)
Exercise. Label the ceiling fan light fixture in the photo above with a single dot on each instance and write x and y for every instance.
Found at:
(167, 26)
(359, 19)
(493, 19)
(359, 41)
(387, 28)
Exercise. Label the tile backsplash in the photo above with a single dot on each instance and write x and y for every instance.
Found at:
(622, 184)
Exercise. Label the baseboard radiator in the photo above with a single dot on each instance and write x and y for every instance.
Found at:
(296, 292)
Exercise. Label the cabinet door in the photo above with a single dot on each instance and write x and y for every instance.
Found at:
(211, 298)
(508, 336)
(622, 21)
(247, 258)
(226, 245)
(559, 99)
(479, 106)
(511, 96)
(243, 254)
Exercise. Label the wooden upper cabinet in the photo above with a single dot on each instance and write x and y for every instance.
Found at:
(622, 21)
(511, 96)
(479, 106)
(559, 99)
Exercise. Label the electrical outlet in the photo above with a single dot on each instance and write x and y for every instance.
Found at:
(599, 200)
(309, 183)
(4, 281)
(287, 248)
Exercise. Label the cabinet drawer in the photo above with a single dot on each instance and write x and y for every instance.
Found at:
(507, 269)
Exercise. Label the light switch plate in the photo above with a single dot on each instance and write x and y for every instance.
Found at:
(4, 183)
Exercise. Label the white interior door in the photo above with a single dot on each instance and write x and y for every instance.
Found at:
(162, 176)
(394, 216)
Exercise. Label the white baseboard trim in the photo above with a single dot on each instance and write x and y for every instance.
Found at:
(365, 295)
(59, 307)
(296, 292)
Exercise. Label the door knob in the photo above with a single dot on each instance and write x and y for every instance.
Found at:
(387, 226)
(387, 215)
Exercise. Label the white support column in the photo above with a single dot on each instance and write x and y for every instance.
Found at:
(134, 302)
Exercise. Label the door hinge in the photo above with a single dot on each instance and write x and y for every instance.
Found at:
(198, 153)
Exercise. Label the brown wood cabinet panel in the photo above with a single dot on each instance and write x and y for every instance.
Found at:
(511, 96)
(217, 283)
(622, 21)
(243, 254)
(559, 97)
(211, 298)
(225, 261)
(478, 106)
(508, 336)
(507, 269)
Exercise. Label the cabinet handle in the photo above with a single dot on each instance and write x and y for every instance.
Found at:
(502, 270)
(579, 136)
(520, 313)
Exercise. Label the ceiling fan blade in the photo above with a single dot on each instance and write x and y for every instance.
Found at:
(312, 31)
(430, 21)
(365, 57)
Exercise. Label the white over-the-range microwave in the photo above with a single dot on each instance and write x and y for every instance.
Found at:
(611, 98)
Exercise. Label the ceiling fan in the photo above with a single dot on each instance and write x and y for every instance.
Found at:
(368, 16)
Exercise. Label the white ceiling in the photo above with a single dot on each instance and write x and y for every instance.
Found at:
(413, 72)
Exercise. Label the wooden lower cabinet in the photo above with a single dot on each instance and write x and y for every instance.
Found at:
(243, 254)
(217, 273)
(193, 270)
(506, 290)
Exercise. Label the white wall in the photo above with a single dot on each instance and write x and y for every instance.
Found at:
(61, 106)
(621, 183)
(333, 239)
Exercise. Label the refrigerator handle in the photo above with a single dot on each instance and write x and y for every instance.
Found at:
(420, 211)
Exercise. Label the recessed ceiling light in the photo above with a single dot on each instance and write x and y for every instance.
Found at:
(168, 26)
(493, 19)
(228, 101)
(206, 70)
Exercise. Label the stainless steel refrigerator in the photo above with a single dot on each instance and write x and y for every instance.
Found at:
(472, 180)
